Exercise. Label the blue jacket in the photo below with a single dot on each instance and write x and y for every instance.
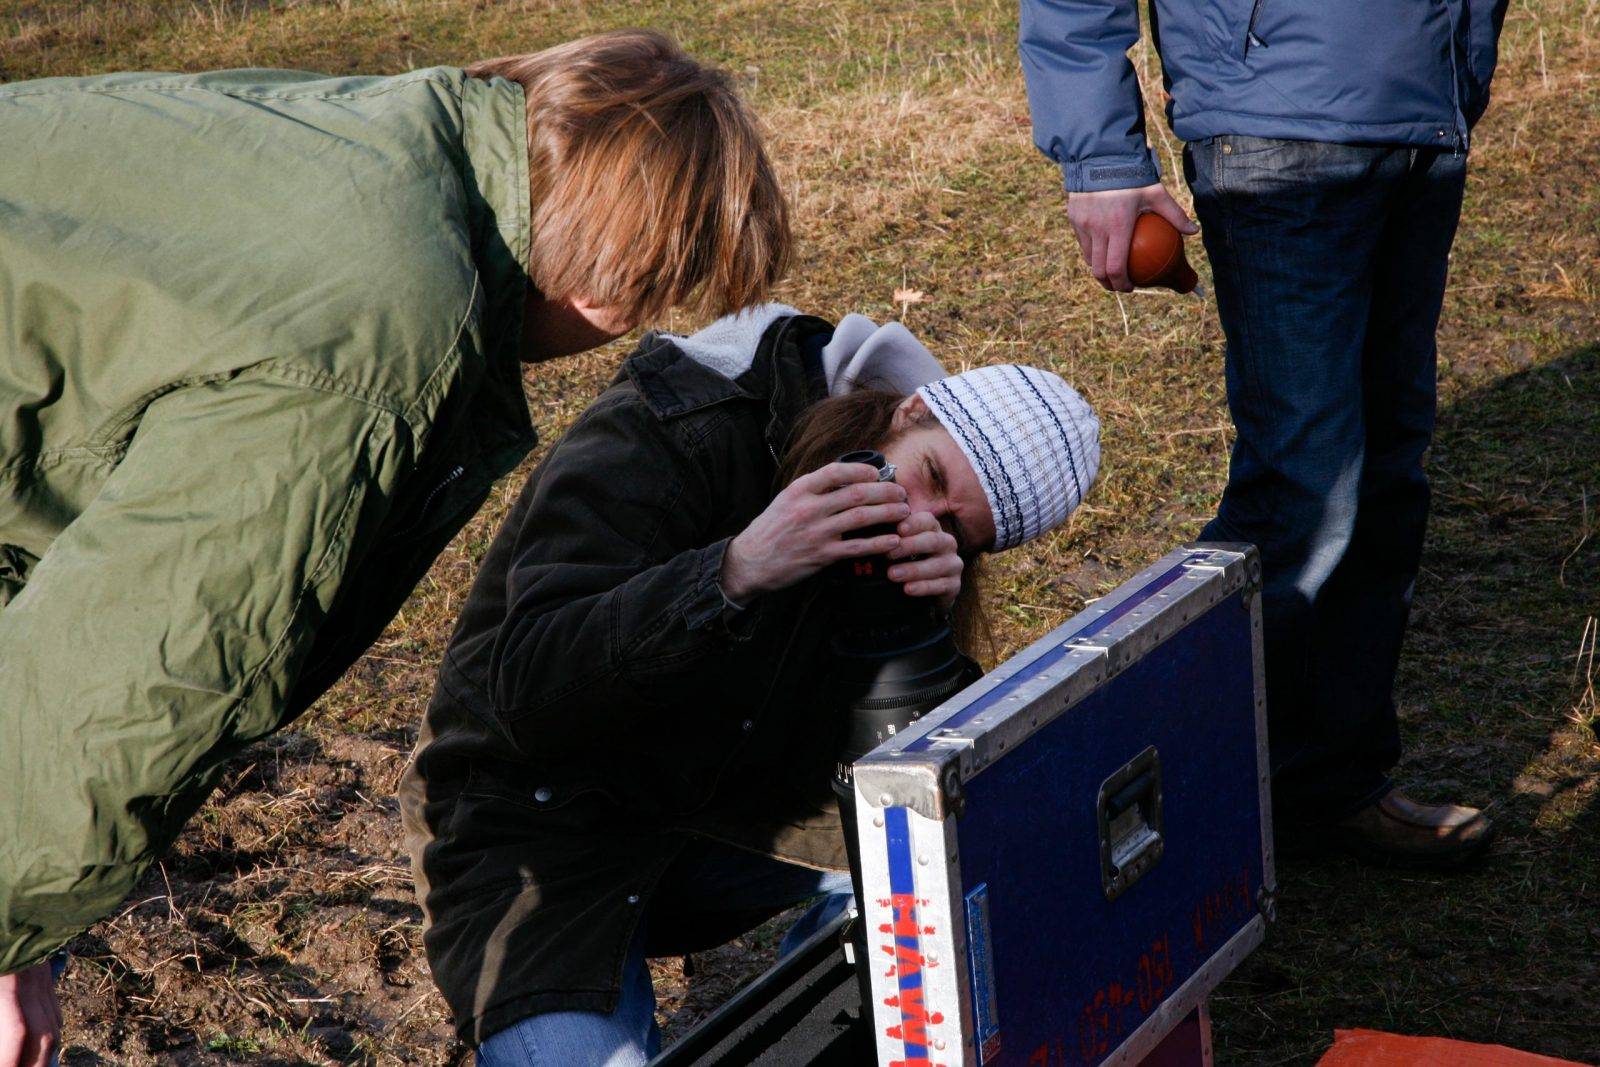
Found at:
(1413, 72)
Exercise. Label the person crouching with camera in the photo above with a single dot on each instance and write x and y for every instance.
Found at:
(629, 753)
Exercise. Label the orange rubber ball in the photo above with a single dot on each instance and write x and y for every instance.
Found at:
(1155, 258)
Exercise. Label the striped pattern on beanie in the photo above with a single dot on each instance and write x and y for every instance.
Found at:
(1033, 441)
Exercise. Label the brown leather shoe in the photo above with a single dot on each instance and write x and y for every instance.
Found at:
(1398, 831)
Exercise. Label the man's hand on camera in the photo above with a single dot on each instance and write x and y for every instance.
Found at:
(1104, 222)
(800, 532)
(938, 573)
(30, 1018)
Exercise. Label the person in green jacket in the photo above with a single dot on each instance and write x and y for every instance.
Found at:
(261, 336)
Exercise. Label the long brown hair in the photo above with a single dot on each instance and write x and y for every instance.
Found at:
(648, 182)
(864, 418)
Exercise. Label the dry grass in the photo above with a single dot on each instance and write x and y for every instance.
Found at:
(1586, 709)
(281, 929)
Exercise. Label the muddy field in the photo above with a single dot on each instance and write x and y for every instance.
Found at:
(282, 928)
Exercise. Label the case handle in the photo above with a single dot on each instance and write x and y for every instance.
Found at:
(1128, 812)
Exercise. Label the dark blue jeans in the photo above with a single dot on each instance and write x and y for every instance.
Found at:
(1329, 264)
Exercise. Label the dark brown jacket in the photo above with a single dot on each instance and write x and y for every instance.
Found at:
(599, 701)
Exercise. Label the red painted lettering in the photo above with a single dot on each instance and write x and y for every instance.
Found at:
(914, 1016)
(1105, 1018)
(905, 915)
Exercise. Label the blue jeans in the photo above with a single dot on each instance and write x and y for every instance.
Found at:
(58, 967)
(715, 876)
(1330, 264)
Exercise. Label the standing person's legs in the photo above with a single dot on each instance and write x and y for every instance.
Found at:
(1366, 603)
(707, 879)
(1293, 230)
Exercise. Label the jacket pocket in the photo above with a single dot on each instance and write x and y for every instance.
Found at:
(1285, 172)
(1479, 48)
(1251, 39)
(1239, 147)
(527, 786)
(1226, 22)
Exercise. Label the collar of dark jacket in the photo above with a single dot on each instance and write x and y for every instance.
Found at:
(786, 372)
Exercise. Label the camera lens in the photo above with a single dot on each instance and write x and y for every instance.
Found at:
(893, 656)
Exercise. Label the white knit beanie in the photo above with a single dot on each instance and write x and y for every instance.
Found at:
(1033, 441)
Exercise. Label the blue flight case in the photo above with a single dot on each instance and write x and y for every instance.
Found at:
(1062, 861)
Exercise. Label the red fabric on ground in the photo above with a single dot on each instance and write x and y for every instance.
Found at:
(1369, 1048)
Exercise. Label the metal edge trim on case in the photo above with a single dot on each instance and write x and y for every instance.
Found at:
(982, 721)
(1269, 870)
(1251, 561)
(935, 994)
(1076, 633)
(870, 825)
(1188, 997)
(1248, 558)
(908, 784)
(929, 781)
(1050, 642)
(909, 979)
(975, 727)
(960, 951)
(1124, 631)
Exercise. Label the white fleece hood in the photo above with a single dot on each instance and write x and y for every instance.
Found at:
(862, 354)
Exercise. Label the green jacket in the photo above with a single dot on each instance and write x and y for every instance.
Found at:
(258, 363)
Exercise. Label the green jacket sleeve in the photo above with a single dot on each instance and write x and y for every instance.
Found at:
(163, 629)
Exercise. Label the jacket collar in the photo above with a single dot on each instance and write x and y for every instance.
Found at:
(495, 168)
(786, 373)
(495, 175)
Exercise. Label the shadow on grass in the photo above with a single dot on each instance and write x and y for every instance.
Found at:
(1506, 953)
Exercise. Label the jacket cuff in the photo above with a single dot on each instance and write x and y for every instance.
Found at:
(1111, 172)
(708, 608)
